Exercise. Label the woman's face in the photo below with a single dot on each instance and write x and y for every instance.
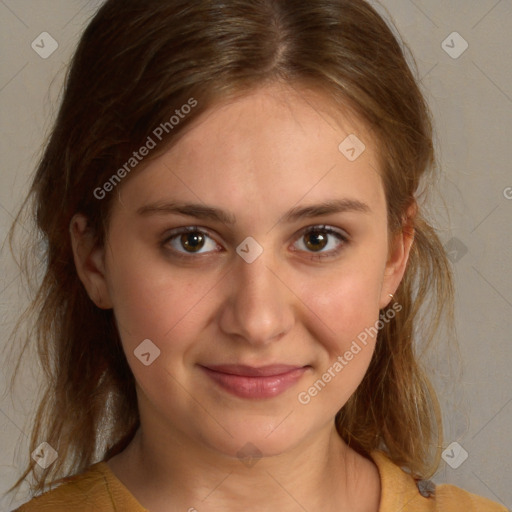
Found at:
(254, 257)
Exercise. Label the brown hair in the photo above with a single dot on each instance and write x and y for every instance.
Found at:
(139, 61)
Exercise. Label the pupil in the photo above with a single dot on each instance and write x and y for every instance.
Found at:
(316, 241)
(192, 242)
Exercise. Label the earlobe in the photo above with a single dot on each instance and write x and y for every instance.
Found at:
(89, 261)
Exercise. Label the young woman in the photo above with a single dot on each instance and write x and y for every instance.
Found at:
(237, 265)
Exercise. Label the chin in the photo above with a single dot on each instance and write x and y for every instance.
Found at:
(254, 438)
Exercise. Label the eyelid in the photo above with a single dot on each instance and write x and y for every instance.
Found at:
(171, 233)
(326, 227)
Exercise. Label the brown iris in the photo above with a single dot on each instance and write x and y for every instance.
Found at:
(315, 240)
(193, 241)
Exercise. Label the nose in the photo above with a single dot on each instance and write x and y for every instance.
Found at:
(259, 307)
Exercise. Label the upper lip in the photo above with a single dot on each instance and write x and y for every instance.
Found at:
(252, 371)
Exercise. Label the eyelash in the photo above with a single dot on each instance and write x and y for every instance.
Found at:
(339, 234)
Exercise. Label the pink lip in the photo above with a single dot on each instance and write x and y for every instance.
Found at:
(250, 382)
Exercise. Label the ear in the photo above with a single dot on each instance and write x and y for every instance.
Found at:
(400, 248)
(89, 261)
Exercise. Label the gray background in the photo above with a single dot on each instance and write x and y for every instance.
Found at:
(471, 99)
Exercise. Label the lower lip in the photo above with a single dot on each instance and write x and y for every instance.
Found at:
(256, 387)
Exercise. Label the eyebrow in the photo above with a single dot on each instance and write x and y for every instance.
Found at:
(202, 211)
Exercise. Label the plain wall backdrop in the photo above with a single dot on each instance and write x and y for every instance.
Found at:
(462, 49)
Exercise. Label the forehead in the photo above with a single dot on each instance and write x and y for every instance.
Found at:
(269, 149)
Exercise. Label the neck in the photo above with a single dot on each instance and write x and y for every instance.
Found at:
(321, 474)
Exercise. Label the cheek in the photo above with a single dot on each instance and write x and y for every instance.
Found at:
(347, 303)
(347, 299)
(150, 302)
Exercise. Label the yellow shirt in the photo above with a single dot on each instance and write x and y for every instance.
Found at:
(98, 489)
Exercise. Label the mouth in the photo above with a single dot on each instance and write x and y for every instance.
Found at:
(255, 382)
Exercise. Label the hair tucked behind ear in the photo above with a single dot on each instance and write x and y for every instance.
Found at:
(137, 62)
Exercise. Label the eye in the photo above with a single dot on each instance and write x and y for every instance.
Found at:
(191, 240)
(321, 239)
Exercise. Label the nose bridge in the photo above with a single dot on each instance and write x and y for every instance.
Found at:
(258, 309)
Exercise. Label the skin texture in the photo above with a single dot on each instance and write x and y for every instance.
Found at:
(256, 157)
